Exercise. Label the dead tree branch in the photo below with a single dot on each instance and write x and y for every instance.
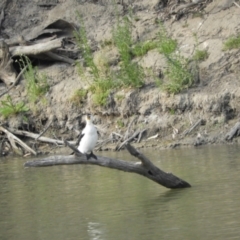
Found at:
(199, 122)
(38, 137)
(146, 168)
(36, 48)
(13, 140)
(234, 131)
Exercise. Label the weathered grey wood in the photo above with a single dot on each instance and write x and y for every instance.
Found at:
(234, 131)
(38, 137)
(13, 140)
(36, 48)
(193, 127)
(146, 168)
(166, 179)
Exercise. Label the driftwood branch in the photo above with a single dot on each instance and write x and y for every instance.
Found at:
(146, 168)
(38, 137)
(13, 140)
(199, 122)
(234, 131)
(36, 48)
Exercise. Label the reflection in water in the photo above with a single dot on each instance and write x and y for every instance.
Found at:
(89, 202)
(95, 231)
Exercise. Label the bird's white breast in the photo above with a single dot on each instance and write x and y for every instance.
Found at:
(89, 140)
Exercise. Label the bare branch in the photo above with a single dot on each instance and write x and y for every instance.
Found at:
(146, 169)
(234, 131)
(36, 136)
(13, 139)
(36, 48)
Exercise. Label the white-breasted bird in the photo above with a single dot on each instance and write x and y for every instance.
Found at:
(88, 138)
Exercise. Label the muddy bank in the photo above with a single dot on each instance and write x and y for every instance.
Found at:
(202, 114)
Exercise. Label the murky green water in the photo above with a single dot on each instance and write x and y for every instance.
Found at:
(90, 202)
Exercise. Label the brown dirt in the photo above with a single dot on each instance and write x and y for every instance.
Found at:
(214, 98)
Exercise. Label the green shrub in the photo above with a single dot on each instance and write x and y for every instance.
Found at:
(120, 123)
(36, 83)
(200, 55)
(84, 46)
(131, 74)
(141, 48)
(166, 44)
(79, 96)
(101, 89)
(177, 74)
(9, 108)
(231, 43)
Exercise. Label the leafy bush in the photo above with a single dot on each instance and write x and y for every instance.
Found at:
(141, 48)
(166, 44)
(36, 83)
(200, 55)
(79, 96)
(10, 108)
(101, 89)
(231, 43)
(84, 46)
(131, 74)
(177, 74)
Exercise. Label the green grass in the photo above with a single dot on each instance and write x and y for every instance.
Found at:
(177, 74)
(84, 46)
(10, 108)
(120, 123)
(103, 79)
(106, 42)
(101, 89)
(131, 74)
(141, 48)
(200, 55)
(232, 43)
(36, 83)
(79, 97)
(119, 97)
(166, 44)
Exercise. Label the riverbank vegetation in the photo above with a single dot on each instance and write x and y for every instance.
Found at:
(130, 73)
(9, 107)
(232, 43)
(36, 83)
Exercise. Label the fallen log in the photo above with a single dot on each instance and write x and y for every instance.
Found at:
(36, 48)
(144, 168)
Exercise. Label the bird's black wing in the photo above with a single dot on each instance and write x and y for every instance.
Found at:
(79, 138)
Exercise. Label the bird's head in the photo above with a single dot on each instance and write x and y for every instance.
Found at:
(88, 118)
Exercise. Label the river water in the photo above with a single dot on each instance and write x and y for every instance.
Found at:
(90, 202)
